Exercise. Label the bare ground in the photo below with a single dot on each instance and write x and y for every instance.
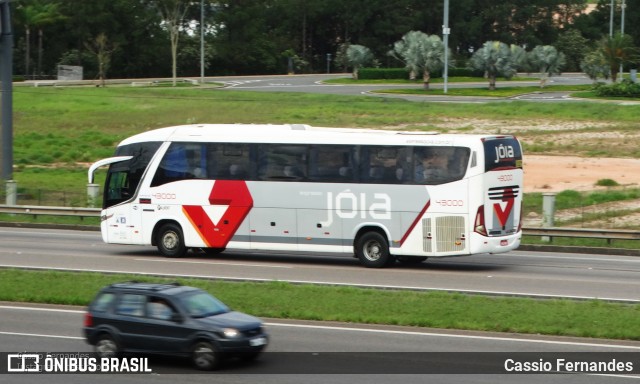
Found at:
(554, 171)
(559, 173)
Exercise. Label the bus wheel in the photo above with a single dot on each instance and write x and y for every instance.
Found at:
(170, 241)
(373, 251)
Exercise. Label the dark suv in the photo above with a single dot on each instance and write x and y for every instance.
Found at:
(170, 319)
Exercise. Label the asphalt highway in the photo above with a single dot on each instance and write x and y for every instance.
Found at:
(312, 352)
(525, 273)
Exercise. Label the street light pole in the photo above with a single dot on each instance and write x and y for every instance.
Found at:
(6, 86)
(202, 42)
(611, 20)
(624, 5)
(445, 39)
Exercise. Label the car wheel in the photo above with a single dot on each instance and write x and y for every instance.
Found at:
(170, 241)
(373, 251)
(106, 346)
(205, 356)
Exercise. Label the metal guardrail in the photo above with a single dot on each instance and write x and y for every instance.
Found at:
(607, 234)
(37, 210)
(610, 234)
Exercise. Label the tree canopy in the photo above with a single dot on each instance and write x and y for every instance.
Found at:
(265, 36)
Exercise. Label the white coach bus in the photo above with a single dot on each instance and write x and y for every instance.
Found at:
(381, 195)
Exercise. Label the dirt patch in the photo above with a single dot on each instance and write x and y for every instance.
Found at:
(559, 173)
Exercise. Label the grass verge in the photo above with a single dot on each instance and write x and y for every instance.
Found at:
(501, 91)
(349, 304)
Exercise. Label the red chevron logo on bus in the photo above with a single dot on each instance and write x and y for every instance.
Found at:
(236, 196)
(503, 214)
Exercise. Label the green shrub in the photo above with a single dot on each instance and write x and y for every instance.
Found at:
(607, 183)
(626, 88)
(403, 73)
(382, 73)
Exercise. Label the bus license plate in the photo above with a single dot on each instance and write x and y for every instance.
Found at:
(258, 341)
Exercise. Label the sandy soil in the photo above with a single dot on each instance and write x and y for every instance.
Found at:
(559, 173)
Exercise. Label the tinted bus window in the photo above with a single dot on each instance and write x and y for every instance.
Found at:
(333, 163)
(282, 162)
(231, 161)
(439, 165)
(502, 153)
(182, 161)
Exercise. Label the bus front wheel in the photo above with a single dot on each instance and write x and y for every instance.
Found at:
(170, 241)
(373, 251)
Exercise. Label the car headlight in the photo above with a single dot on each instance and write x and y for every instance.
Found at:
(230, 333)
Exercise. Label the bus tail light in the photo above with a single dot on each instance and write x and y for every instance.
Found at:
(521, 218)
(479, 226)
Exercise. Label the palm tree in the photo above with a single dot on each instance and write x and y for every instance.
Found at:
(495, 59)
(37, 14)
(547, 60)
(595, 65)
(618, 50)
(401, 50)
(358, 56)
(420, 53)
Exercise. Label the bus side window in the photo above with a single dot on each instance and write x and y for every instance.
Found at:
(285, 162)
(380, 164)
(182, 161)
(330, 164)
(459, 162)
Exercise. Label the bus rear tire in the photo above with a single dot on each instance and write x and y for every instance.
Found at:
(372, 250)
(170, 241)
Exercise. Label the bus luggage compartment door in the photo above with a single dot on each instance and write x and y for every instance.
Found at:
(444, 235)
(273, 228)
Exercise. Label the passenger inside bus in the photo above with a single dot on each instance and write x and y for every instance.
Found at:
(292, 171)
(433, 164)
(236, 172)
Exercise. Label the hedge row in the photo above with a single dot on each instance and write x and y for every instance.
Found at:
(626, 88)
(403, 73)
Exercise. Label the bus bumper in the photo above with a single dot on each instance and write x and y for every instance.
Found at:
(498, 244)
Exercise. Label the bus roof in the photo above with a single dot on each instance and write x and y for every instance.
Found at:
(301, 134)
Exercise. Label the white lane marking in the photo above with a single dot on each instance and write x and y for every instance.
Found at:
(75, 234)
(349, 329)
(626, 259)
(414, 333)
(214, 263)
(41, 335)
(41, 309)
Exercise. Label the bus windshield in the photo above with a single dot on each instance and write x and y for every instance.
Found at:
(124, 177)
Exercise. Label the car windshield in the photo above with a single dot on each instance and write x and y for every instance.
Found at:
(202, 304)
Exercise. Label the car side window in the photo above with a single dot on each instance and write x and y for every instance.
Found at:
(103, 302)
(159, 308)
(131, 305)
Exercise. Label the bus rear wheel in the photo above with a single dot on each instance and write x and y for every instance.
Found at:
(170, 241)
(373, 251)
